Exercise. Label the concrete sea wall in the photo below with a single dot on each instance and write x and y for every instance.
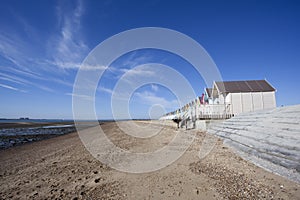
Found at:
(269, 138)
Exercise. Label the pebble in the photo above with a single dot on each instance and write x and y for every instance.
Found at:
(232, 184)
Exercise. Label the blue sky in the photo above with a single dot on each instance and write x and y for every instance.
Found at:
(43, 43)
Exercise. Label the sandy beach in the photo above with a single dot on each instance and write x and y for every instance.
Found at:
(61, 168)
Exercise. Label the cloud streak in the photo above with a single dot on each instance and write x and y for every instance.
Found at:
(23, 82)
(12, 88)
(69, 44)
(73, 65)
(154, 87)
(107, 90)
(32, 62)
(82, 96)
(149, 98)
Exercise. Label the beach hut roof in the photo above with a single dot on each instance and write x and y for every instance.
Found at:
(244, 86)
(208, 91)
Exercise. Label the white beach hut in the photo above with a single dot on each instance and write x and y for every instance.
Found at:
(244, 96)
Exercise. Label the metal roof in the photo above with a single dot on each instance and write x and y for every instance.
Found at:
(244, 86)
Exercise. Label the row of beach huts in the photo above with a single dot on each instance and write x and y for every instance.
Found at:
(226, 99)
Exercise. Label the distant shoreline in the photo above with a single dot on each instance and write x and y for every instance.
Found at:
(19, 131)
(29, 120)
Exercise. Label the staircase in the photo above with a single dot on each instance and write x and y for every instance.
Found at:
(188, 120)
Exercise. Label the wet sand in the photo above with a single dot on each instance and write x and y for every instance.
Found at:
(18, 133)
(62, 168)
(32, 124)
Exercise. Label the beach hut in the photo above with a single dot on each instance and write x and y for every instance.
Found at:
(243, 96)
(207, 95)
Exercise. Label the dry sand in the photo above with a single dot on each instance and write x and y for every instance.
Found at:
(61, 168)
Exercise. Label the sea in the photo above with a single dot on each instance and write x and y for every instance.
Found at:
(35, 120)
(42, 129)
(11, 136)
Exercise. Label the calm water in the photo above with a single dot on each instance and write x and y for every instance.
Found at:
(34, 120)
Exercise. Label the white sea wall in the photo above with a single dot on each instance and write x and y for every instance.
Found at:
(203, 125)
(269, 138)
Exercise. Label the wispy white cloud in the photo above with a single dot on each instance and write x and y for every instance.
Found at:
(85, 97)
(69, 45)
(62, 82)
(23, 73)
(30, 60)
(73, 65)
(12, 88)
(136, 59)
(115, 95)
(11, 47)
(150, 98)
(129, 63)
(24, 82)
(138, 72)
(45, 88)
(22, 69)
(11, 80)
(107, 90)
(154, 87)
(14, 79)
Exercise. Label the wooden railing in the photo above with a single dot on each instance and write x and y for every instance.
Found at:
(207, 111)
(213, 111)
